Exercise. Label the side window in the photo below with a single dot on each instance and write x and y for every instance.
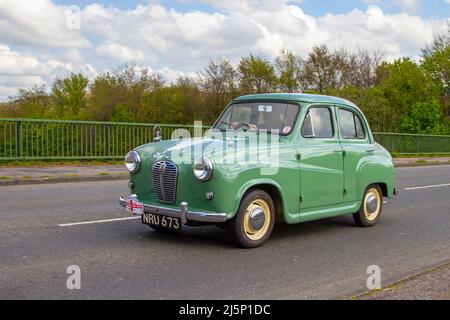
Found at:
(360, 134)
(347, 124)
(317, 123)
(350, 125)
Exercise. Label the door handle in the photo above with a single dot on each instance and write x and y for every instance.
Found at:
(338, 150)
(370, 150)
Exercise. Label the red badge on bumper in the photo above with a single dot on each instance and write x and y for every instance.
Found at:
(134, 206)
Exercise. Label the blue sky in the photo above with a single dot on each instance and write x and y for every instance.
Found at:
(39, 42)
(429, 9)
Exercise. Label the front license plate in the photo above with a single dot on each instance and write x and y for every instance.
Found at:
(160, 221)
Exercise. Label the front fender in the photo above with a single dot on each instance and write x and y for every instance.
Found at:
(263, 183)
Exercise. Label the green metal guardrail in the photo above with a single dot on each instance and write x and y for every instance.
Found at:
(410, 144)
(61, 139)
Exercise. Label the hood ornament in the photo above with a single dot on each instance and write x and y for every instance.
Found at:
(156, 133)
(162, 168)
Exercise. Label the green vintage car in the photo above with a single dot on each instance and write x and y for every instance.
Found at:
(268, 158)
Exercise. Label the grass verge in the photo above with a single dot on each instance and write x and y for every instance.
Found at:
(31, 163)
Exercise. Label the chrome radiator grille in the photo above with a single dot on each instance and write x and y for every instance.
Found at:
(164, 176)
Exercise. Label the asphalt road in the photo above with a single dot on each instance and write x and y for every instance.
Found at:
(125, 259)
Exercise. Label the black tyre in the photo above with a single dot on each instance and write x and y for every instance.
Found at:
(254, 221)
(371, 207)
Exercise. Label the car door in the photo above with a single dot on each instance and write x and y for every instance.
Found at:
(356, 145)
(321, 163)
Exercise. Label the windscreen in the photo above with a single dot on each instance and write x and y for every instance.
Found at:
(259, 116)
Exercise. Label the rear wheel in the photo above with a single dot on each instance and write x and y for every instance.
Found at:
(254, 221)
(371, 207)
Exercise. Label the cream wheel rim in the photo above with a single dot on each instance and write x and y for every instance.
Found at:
(257, 219)
(372, 204)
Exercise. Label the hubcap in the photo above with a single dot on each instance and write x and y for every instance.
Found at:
(372, 204)
(257, 219)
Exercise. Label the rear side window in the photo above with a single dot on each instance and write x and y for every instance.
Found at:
(360, 133)
(318, 123)
(350, 125)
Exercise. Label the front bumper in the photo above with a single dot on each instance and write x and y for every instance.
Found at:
(183, 213)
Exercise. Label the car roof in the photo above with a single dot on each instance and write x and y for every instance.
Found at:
(296, 97)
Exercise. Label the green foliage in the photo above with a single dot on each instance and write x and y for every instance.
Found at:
(257, 75)
(398, 96)
(69, 96)
(374, 105)
(426, 118)
(30, 103)
(289, 67)
(122, 114)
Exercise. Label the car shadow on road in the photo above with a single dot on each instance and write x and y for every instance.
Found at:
(192, 237)
(305, 230)
(211, 236)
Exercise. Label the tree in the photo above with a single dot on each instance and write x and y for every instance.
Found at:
(31, 103)
(372, 102)
(440, 43)
(289, 70)
(256, 75)
(426, 118)
(436, 64)
(399, 96)
(69, 95)
(325, 70)
(218, 83)
(121, 114)
(106, 92)
(136, 82)
(362, 68)
(404, 84)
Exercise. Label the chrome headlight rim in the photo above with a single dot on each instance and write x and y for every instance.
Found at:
(203, 168)
(133, 161)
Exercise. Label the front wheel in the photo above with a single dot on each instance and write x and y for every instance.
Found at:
(254, 221)
(371, 207)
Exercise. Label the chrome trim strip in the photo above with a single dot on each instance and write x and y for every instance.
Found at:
(183, 213)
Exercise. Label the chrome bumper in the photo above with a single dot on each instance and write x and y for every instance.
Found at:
(183, 213)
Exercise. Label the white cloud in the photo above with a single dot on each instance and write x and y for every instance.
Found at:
(162, 37)
(177, 43)
(13, 63)
(38, 23)
(119, 53)
(23, 70)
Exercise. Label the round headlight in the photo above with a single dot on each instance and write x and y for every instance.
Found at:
(132, 161)
(203, 168)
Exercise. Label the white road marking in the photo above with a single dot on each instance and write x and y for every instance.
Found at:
(96, 221)
(426, 187)
(133, 218)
